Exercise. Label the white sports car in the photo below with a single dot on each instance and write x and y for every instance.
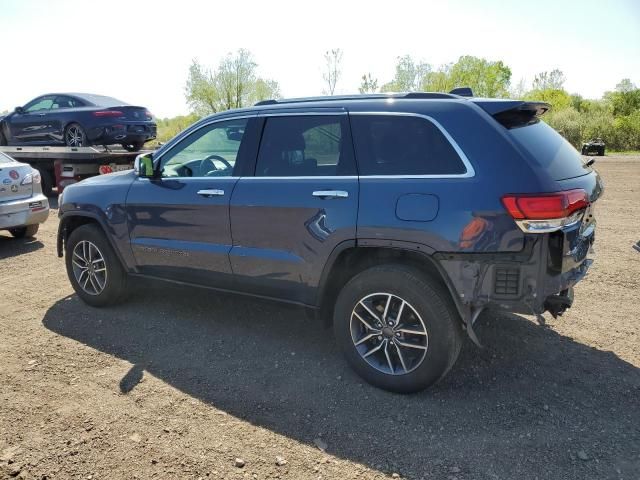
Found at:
(22, 205)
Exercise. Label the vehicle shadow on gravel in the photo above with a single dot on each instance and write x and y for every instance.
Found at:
(532, 403)
(12, 247)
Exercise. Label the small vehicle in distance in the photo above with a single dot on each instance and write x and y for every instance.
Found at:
(23, 207)
(78, 120)
(398, 217)
(595, 145)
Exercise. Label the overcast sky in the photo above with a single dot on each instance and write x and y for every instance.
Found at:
(140, 51)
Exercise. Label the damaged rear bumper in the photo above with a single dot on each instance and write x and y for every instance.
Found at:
(537, 279)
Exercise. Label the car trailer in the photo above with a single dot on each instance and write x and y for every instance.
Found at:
(62, 166)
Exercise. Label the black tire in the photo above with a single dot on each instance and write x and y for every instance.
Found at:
(428, 299)
(584, 151)
(75, 136)
(115, 277)
(46, 179)
(29, 231)
(133, 147)
(601, 152)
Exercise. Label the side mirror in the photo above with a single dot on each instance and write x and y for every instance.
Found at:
(19, 110)
(143, 165)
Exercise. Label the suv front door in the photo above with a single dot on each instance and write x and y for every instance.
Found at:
(300, 204)
(179, 222)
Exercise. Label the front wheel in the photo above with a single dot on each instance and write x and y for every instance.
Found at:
(93, 268)
(133, 147)
(397, 328)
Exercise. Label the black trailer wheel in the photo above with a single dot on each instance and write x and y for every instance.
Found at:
(47, 182)
(75, 136)
(133, 147)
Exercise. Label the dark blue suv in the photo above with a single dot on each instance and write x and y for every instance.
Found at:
(399, 218)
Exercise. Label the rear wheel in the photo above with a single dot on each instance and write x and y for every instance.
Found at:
(94, 269)
(601, 152)
(133, 147)
(21, 232)
(397, 328)
(75, 136)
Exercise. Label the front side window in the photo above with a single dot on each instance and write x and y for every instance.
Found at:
(300, 146)
(402, 145)
(39, 104)
(210, 151)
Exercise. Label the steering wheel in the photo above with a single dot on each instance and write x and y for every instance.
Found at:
(211, 166)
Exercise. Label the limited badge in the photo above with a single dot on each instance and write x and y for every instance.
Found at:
(14, 174)
(14, 188)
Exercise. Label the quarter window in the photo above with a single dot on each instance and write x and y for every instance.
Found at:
(210, 151)
(402, 145)
(305, 146)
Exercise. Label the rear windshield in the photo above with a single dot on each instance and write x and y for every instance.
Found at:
(102, 101)
(550, 150)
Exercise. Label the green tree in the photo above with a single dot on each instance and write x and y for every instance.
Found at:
(559, 99)
(625, 99)
(486, 78)
(408, 76)
(368, 84)
(234, 84)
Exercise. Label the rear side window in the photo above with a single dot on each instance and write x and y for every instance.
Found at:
(403, 145)
(300, 146)
(550, 150)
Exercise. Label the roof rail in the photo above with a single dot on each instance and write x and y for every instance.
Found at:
(371, 96)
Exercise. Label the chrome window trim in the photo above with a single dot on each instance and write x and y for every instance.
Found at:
(469, 173)
(307, 177)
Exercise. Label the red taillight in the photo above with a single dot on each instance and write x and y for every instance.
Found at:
(105, 169)
(545, 206)
(108, 113)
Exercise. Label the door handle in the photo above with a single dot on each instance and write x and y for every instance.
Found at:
(211, 193)
(41, 114)
(326, 194)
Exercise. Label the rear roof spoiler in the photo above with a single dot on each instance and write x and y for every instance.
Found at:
(513, 113)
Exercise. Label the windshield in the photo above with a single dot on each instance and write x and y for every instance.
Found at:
(550, 150)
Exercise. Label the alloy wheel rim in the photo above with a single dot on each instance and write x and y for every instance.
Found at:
(75, 137)
(89, 267)
(388, 333)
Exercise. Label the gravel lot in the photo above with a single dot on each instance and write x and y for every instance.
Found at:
(180, 383)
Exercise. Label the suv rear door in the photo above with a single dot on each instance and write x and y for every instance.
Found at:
(300, 204)
(179, 222)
